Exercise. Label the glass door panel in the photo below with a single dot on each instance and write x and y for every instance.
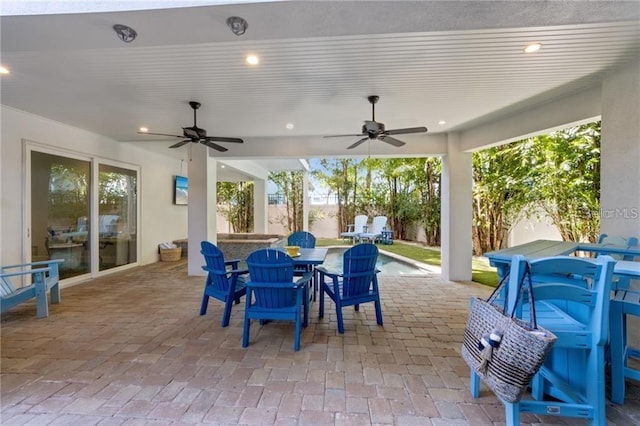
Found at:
(60, 194)
(117, 216)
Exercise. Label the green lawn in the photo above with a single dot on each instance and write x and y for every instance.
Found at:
(481, 271)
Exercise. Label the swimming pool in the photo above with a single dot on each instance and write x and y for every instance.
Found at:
(387, 264)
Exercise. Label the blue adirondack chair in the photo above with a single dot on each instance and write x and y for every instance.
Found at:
(44, 278)
(357, 284)
(224, 284)
(272, 294)
(578, 314)
(302, 239)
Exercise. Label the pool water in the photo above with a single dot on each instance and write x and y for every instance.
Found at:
(386, 264)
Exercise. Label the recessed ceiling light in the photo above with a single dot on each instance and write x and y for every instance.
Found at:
(532, 48)
(253, 60)
(4, 70)
(289, 126)
(442, 122)
(222, 166)
(144, 129)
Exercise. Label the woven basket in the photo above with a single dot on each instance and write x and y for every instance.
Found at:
(170, 255)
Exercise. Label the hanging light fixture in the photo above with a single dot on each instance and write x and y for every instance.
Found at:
(125, 33)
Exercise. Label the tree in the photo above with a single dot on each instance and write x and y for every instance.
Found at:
(565, 166)
(290, 184)
(235, 203)
(341, 179)
(557, 173)
(500, 187)
(407, 191)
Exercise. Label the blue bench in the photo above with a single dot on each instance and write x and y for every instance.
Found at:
(44, 278)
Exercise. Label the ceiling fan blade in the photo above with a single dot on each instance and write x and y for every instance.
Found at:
(179, 144)
(343, 136)
(213, 145)
(223, 139)
(357, 143)
(160, 134)
(405, 131)
(391, 141)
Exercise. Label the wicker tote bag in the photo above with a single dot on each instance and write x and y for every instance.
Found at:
(506, 352)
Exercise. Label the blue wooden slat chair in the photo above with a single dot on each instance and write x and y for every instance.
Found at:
(224, 284)
(304, 239)
(272, 294)
(625, 302)
(357, 284)
(354, 230)
(578, 314)
(605, 239)
(44, 278)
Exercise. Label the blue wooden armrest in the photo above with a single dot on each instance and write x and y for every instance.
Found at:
(29, 272)
(226, 271)
(323, 270)
(42, 262)
(44, 279)
(306, 277)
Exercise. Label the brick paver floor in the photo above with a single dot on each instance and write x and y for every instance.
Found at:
(131, 349)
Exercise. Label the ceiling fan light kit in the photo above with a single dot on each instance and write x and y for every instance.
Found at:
(197, 135)
(372, 129)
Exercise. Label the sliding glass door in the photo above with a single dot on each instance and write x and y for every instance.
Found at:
(117, 219)
(82, 211)
(60, 200)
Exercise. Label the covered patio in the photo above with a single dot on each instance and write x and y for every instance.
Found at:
(131, 348)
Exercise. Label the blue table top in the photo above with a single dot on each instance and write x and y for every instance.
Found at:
(311, 256)
(627, 268)
(546, 248)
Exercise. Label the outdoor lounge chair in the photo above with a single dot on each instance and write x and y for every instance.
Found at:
(355, 229)
(375, 233)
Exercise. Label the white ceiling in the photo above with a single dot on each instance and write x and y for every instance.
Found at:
(458, 61)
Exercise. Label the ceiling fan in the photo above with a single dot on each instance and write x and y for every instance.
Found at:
(195, 134)
(375, 130)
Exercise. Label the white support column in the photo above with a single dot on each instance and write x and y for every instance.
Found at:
(620, 153)
(305, 201)
(260, 207)
(456, 212)
(202, 204)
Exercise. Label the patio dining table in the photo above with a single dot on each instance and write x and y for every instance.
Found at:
(311, 257)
